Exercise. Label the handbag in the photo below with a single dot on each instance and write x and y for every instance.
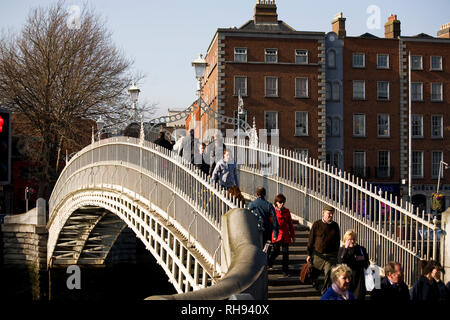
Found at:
(305, 273)
(369, 279)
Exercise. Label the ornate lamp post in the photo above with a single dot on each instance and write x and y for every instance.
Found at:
(134, 95)
(100, 125)
(199, 65)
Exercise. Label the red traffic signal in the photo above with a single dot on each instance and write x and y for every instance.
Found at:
(2, 121)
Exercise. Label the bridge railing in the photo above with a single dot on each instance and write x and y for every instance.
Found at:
(386, 225)
(187, 196)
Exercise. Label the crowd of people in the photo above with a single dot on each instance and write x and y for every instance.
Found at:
(343, 267)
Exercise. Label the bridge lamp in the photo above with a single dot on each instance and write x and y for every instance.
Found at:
(134, 95)
(199, 65)
(100, 125)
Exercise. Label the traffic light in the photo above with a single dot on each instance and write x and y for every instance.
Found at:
(5, 147)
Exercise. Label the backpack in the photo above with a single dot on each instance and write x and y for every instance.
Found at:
(305, 273)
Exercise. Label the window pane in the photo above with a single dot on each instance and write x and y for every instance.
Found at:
(383, 61)
(436, 159)
(358, 89)
(271, 55)
(240, 54)
(240, 84)
(301, 56)
(301, 123)
(436, 126)
(359, 125)
(301, 87)
(436, 91)
(417, 125)
(383, 125)
(359, 163)
(331, 59)
(383, 164)
(436, 63)
(417, 163)
(416, 62)
(416, 91)
(358, 60)
(271, 87)
(383, 90)
(271, 121)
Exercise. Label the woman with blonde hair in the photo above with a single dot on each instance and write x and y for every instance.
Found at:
(341, 275)
(354, 256)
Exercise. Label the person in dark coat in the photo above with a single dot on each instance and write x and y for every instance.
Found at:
(265, 212)
(162, 141)
(354, 256)
(426, 287)
(392, 286)
(215, 150)
(201, 163)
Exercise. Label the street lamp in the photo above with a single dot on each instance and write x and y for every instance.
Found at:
(100, 125)
(439, 176)
(134, 95)
(199, 65)
(241, 112)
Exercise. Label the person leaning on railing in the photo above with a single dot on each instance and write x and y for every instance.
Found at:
(323, 245)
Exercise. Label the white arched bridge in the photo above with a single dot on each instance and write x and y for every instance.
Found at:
(206, 242)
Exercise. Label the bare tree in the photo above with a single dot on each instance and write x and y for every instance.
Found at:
(60, 76)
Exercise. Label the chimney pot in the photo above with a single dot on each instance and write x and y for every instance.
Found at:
(392, 27)
(338, 25)
(444, 31)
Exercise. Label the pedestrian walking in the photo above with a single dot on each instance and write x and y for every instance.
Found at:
(267, 218)
(202, 165)
(225, 172)
(286, 234)
(162, 141)
(323, 246)
(355, 256)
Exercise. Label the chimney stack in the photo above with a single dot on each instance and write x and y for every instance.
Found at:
(392, 27)
(266, 11)
(338, 25)
(444, 31)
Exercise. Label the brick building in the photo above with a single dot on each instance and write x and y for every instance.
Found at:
(338, 98)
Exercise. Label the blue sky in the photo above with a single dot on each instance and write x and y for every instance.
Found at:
(163, 37)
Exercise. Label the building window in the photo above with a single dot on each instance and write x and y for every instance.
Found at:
(359, 60)
(417, 91)
(436, 126)
(383, 125)
(383, 170)
(382, 61)
(436, 63)
(331, 59)
(335, 92)
(271, 122)
(359, 89)
(359, 125)
(271, 87)
(335, 127)
(436, 158)
(416, 63)
(417, 164)
(301, 123)
(271, 55)
(301, 56)
(436, 91)
(359, 163)
(383, 90)
(417, 126)
(301, 87)
(328, 91)
(240, 84)
(240, 54)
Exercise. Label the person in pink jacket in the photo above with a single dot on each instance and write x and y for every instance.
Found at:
(286, 234)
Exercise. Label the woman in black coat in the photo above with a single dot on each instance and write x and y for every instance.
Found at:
(355, 256)
(426, 288)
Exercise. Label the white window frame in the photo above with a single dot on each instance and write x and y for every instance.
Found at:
(356, 118)
(439, 125)
(379, 97)
(302, 116)
(419, 118)
(301, 54)
(435, 166)
(240, 54)
(383, 133)
(415, 66)
(269, 54)
(356, 54)
(433, 97)
(379, 66)
(363, 97)
(417, 96)
(244, 92)
(417, 164)
(439, 68)
(270, 94)
(269, 133)
(297, 91)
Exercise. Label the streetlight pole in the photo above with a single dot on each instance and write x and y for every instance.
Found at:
(409, 129)
(134, 94)
(199, 65)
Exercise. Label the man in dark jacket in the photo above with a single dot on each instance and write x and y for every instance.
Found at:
(323, 246)
(162, 141)
(265, 212)
(392, 287)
